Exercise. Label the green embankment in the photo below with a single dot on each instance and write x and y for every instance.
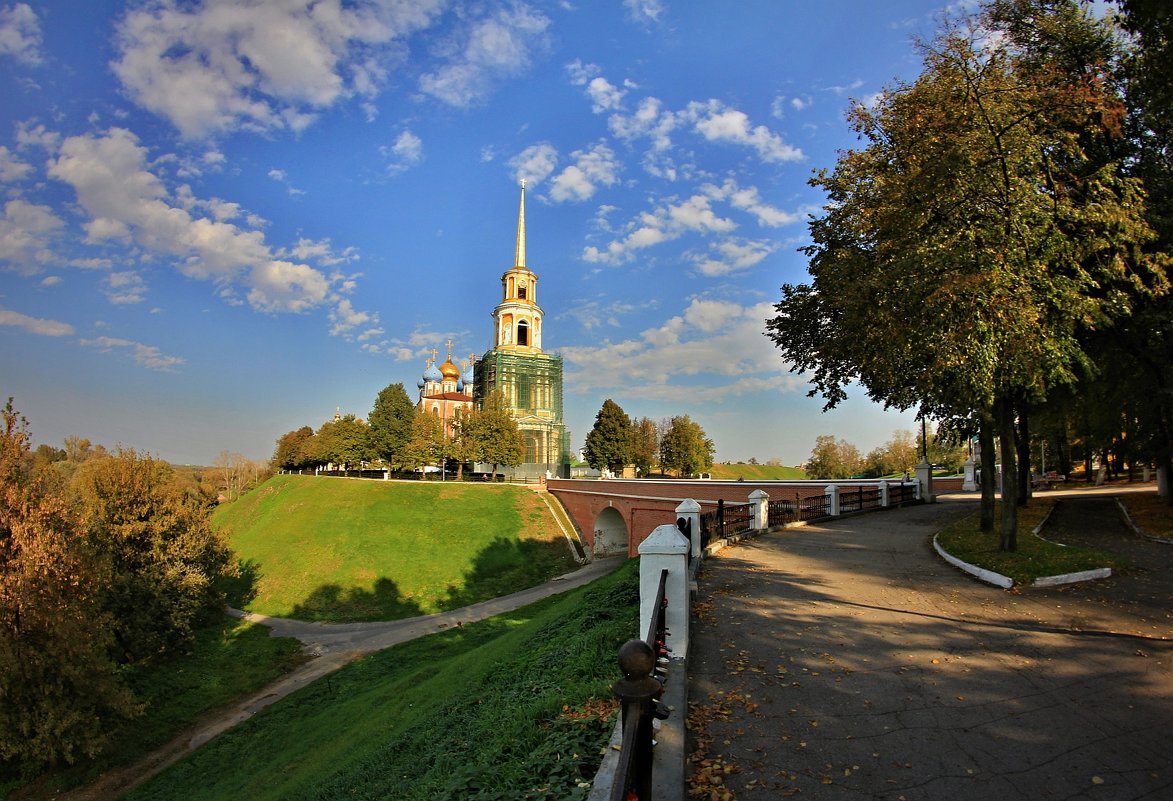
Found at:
(337, 549)
(756, 472)
(516, 706)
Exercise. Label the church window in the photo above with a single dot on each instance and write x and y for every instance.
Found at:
(436, 411)
(522, 333)
(521, 290)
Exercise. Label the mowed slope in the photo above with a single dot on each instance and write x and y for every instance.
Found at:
(334, 549)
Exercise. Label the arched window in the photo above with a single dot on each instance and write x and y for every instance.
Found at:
(521, 288)
(436, 411)
(523, 333)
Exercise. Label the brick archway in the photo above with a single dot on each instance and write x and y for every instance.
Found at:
(610, 533)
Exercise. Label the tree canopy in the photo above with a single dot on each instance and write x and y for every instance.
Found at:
(685, 448)
(389, 423)
(981, 230)
(609, 442)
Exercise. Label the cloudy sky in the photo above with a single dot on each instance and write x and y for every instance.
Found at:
(222, 220)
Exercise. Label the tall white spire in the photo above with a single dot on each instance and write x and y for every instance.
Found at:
(519, 253)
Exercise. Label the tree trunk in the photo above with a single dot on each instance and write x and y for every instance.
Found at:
(1006, 430)
(989, 472)
(1023, 454)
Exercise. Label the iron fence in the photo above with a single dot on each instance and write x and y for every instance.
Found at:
(645, 669)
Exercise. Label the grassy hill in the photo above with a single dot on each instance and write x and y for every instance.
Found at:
(337, 549)
(756, 472)
(515, 706)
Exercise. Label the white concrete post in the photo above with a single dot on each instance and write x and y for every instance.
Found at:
(690, 510)
(759, 502)
(970, 483)
(666, 548)
(833, 491)
(924, 477)
(885, 499)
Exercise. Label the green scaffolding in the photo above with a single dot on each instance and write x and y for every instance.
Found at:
(532, 387)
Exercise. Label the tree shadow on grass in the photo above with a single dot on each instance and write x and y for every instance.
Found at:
(505, 566)
(240, 589)
(333, 603)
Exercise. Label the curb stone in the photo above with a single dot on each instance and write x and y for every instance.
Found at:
(1005, 582)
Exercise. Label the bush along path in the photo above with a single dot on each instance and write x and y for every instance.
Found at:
(331, 646)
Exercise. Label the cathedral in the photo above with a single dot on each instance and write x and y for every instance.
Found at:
(529, 379)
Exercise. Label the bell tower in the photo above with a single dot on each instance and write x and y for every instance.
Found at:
(517, 320)
(529, 380)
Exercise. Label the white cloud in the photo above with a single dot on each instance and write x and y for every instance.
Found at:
(222, 66)
(644, 10)
(282, 286)
(33, 134)
(125, 200)
(12, 169)
(405, 153)
(604, 95)
(147, 356)
(749, 199)
(535, 163)
(20, 34)
(346, 318)
(664, 224)
(26, 230)
(650, 120)
(592, 167)
(718, 123)
(490, 49)
(715, 347)
(731, 255)
(125, 287)
(34, 325)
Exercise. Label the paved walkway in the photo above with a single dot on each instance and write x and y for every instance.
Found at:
(845, 660)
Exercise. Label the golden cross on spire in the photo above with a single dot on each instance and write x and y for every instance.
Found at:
(434, 353)
(450, 350)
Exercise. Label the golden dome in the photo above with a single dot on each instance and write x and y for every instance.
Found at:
(449, 370)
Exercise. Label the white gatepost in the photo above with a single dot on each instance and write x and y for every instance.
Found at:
(833, 491)
(924, 478)
(885, 498)
(690, 510)
(759, 505)
(970, 483)
(665, 548)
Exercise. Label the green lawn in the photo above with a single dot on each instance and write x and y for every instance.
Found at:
(514, 707)
(1035, 557)
(347, 550)
(756, 472)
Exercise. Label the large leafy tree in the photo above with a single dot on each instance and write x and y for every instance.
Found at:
(972, 240)
(609, 442)
(389, 423)
(490, 434)
(165, 559)
(833, 459)
(645, 444)
(345, 441)
(427, 445)
(59, 692)
(295, 449)
(685, 448)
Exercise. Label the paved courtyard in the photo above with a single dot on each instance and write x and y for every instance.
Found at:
(845, 660)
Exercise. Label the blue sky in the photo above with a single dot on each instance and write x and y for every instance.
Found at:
(221, 220)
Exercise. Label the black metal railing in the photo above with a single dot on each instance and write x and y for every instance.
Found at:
(814, 506)
(725, 521)
(901, 493)
(645, 669)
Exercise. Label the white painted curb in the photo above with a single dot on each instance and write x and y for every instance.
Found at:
(1005, 582)
(988, 576)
